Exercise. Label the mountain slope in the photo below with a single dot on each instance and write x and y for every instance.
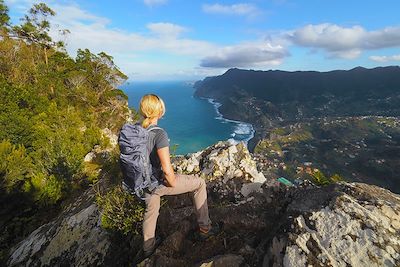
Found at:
(336, 225)
(340, 122)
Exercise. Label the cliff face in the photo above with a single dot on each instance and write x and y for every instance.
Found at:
(263, 223)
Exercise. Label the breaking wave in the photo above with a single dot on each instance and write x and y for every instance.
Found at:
(242, 131)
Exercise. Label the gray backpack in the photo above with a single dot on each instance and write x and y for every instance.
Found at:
(135, 163)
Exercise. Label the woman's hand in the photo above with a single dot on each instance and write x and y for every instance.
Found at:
(163, 154)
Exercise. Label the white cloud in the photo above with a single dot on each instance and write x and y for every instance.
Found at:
(346, 54)
(72, 14)
(152, 3)
(240, 9)
(128, 48)
(135, 52)
(165, 29)
(98, 37)
(328, 36)
(383, 59)
(387, 37)
(257, 54)
(344, 42)
(164, 72)
(93, 32)
(132, 51)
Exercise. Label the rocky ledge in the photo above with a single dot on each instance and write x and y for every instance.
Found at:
(263, 224)
(230, 170)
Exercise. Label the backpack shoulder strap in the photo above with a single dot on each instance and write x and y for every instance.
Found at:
(154, 128)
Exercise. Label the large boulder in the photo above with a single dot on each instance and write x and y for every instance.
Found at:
(75, 238)
(230, 169)
(348, 225)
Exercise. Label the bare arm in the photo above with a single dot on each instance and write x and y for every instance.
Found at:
(163, 154)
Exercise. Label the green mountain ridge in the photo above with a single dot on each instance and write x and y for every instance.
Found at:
(279, 86)
(356, 103)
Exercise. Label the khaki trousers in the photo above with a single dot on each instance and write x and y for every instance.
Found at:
(184, 184)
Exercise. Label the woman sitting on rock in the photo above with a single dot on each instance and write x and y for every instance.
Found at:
(152, 108)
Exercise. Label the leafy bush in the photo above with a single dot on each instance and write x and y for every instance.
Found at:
(121, 211)
(15, 166)
(46, 188)
(18, 173)
(320, 178)
(336, 178)
(92, 171)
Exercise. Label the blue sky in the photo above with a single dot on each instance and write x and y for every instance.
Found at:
(188, 40)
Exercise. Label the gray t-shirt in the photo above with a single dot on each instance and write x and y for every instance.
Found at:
(158, 138)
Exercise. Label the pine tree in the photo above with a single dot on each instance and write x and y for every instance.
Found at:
(4, 18)
(36, 27)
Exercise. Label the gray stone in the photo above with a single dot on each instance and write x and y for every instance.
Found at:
(75, 237)
(349, 232)
(224, 162)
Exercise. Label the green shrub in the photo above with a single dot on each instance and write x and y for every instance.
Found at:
(15, 166)
(320, 179)
(92, 171)
(121, 211)
(336, 178)
(111, 167)
(48, 189)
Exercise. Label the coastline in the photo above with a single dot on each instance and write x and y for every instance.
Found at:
(241, 127)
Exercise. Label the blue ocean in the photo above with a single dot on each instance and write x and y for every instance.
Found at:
(191, 123)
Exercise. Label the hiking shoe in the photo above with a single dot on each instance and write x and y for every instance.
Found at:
(203, 235)
(150, 252)
(142, 255)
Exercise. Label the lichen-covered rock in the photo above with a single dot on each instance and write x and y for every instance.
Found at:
(357, 227)
(230, 168)
(75, 238)
(89, 157)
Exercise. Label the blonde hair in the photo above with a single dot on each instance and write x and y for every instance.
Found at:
(151, 106)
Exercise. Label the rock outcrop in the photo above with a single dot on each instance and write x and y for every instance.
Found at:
(337, 225)
(273, 225)
(75, 238)
(230, 169)
(357, 225)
